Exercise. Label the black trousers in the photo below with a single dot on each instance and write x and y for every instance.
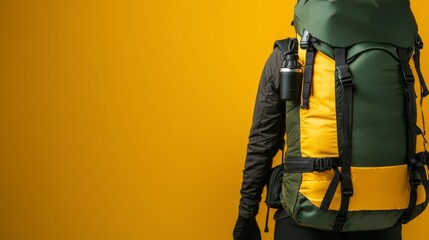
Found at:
(287, 229)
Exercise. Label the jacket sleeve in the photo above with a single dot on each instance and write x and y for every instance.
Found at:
(265, 138)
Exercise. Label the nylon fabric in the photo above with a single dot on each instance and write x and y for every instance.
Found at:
(318, 124)
(292, 130)
(290, 190)
(339, 23)
(287, 229)
(375, 188)
(379, 127)
(309, 215)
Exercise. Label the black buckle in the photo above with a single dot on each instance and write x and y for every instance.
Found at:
(347, 192)
(305, 40)
(323, 164)
(344, 75)
(346, 185)
(415, 179)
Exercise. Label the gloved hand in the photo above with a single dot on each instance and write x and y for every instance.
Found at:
(246, 229)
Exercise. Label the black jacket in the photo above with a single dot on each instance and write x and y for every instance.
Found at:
(266, 136)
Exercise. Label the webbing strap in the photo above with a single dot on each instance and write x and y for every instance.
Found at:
(303, 164)
(330, 192)
(411, 109)
(308, 75)
(410, 102)
(422, 160)
(423, 88)
(416, 58)
(417, 177)
(345, 78)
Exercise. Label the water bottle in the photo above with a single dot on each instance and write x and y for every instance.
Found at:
(290, 79)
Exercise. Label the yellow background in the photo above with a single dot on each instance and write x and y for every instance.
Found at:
(129, 119)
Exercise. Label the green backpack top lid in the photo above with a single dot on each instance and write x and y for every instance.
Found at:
(343, 23)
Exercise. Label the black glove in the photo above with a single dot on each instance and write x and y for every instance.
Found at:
(246, 229)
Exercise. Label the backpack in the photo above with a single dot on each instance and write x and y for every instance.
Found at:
(356, 157)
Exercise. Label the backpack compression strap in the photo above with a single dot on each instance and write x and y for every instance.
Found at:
(308, 69)
(305, 164)
(423, 88)
(417, 169)
(416, 57)
(345, 78)
(323, 164)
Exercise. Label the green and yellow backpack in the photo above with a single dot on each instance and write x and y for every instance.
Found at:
(356, 155)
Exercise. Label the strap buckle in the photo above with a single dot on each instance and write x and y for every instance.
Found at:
(305, 40)
(344, 75)
(347, 192)
(346, 185)
(323, 164)
(415, 178)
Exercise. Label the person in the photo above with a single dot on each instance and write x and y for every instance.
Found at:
(265, 139)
